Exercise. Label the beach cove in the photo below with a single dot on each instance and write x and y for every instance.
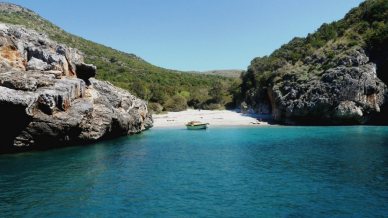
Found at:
(213, 117)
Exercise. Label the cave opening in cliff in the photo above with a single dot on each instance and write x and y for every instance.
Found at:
(9, 115)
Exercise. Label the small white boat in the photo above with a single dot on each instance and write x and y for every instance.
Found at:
(196, 125)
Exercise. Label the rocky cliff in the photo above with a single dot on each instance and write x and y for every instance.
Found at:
(337, 75)
(49, 98)
(347, 93)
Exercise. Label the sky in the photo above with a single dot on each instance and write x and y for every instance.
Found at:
(195, 35)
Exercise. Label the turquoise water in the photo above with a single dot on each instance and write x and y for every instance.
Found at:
(220, 172)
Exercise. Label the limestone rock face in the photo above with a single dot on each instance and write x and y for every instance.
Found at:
(49, 98)
(349, 93)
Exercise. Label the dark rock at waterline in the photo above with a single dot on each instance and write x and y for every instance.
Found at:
(48, 97)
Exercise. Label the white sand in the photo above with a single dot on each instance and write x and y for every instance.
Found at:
(214, 118)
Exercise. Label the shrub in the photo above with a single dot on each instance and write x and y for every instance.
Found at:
(155, 107)
(176, 103)
(212, 106)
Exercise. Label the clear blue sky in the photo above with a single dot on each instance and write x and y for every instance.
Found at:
(191, 34)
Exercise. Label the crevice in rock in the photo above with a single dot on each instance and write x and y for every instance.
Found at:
(85, 72)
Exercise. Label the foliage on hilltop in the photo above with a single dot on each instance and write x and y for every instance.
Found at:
(161, 87)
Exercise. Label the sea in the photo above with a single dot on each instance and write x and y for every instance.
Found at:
(274, 171)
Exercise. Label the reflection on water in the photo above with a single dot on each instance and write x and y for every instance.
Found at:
(268, 171)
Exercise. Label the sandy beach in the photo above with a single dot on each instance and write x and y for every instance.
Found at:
(214, 118)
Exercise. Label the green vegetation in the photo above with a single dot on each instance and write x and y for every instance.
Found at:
(364, 27)
(224, 73)
(164, 89)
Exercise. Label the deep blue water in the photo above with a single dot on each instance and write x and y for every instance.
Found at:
(220, 172)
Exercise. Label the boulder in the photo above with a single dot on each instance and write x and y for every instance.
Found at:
(349, 110)
(37, 64)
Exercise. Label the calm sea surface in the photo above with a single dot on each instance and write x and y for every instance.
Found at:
(220, 172)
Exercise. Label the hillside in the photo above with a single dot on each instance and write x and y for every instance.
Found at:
(165, 89)
(328, 77)
(223, 73)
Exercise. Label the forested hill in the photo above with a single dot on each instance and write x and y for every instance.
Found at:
(329, 76)
(165, 89)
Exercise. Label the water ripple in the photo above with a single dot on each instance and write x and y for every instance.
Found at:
(221, 172)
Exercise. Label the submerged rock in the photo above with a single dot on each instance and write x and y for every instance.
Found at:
(48, 97)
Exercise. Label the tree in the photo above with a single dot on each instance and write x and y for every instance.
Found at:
(198, 97)
(140, 90)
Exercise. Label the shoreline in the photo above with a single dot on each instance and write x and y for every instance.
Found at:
(213, 117)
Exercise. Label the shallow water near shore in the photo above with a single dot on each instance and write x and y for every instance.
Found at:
(270, 171)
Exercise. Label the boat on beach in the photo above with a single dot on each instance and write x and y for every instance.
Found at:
(196, 125)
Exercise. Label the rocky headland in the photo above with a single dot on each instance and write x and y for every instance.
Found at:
(49, 98)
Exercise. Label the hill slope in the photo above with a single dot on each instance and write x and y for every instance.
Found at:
(329, 76)
(170, 88)
(223, 73)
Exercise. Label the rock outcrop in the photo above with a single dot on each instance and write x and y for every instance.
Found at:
(49, 98)
(349, 93)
